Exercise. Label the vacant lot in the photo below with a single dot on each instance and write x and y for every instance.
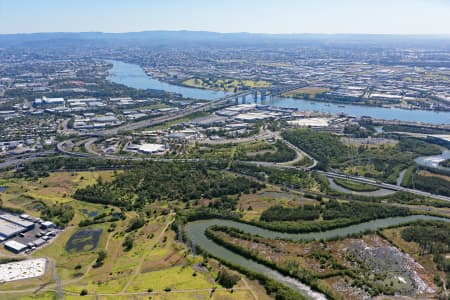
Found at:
(310, 92)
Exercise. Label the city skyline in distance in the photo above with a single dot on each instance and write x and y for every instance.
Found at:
(413, 17)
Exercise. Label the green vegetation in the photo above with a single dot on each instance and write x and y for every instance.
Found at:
(418, 147)
(251, 151)
(61, 214)
(306, 92)
(83, 292)
(431, 184)
(300, 273)
(361, 211)
(279, 152)
(413, 129)
(227, 279)
(100, 259)
(42, 167)
(433, 238)
(111, 216)
(354, 212)
(357, 131)
(382, 162)
(128, 242)
(355, 186)
(286, 177)
(272, 287)
(325, 147)
(135, 224)
(279, 213)
(231, 85)
(165, 181)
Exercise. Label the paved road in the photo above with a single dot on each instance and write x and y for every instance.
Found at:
(360, 179)
(400, 177)
(377, 193)
(19, 159)
(382, 185)
(169, 117)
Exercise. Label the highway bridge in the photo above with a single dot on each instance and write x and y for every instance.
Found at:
(228, 100)
(382, 185)
(65, 147)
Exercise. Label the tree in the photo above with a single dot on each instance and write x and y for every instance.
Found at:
(128, 242)
(227, 279)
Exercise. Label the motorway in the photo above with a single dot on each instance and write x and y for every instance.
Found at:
(288, 165)
(169, 117)
(62, 148)
(19, 159)
(382, 185)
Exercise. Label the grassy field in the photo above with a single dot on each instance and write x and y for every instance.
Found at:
(156, 260)
(310, 92)
(225, 84)
(253, 205)
(355, 186)
(428, 173)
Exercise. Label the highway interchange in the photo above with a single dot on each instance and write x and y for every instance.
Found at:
(65, 146)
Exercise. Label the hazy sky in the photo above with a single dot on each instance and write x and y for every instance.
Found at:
(268, 16)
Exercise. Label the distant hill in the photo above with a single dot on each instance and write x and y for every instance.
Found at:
(204, 38)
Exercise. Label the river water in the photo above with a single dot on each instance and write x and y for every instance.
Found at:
(195, 231)
(434, 160)
(134, 76)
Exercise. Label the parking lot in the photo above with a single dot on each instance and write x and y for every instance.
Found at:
(29, 237)
(25, 233)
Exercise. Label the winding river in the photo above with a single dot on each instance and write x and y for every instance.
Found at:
(195, 231)
(134, 76)
(434, 160)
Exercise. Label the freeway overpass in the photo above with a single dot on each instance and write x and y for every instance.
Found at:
(169, 117)
(382, 185)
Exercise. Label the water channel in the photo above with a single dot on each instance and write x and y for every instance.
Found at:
(134, 76)
(195, 232)
(434, 161)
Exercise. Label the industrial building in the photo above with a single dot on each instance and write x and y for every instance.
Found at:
(9, 230)
(38, 242)
(15, 247)
(17, 221)
(147, 148)
(18, 232)
(47, 225)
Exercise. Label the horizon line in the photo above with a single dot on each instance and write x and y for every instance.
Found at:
(237, 32)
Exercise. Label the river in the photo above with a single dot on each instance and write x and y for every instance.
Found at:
(434, 160)
(195, 232)
(134, 76)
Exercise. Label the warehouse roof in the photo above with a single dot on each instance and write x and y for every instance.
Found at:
(8, 229)
(16, 246)
(16, 220)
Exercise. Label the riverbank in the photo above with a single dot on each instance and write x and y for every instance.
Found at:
(134, 76)
(195, 232)
(361, 103)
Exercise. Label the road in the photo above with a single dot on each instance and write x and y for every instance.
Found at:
(61, 147)
(19, 159)
(382, 185)
(169, 117)
(377, 193)
(359, 179)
